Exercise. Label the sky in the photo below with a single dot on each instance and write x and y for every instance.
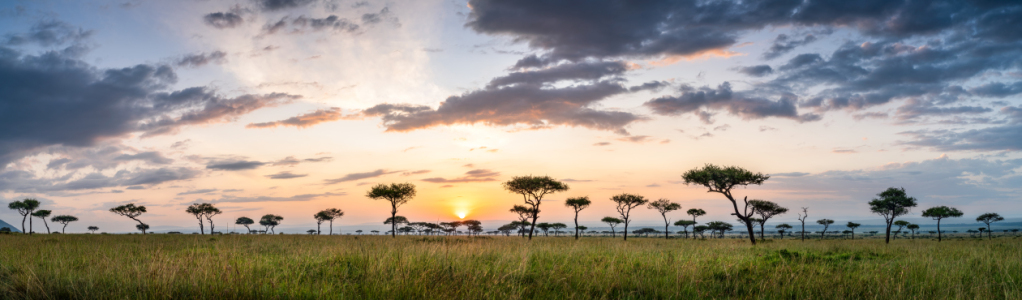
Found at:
(293, 106)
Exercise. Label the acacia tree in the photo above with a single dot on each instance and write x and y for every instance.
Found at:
(781, 228)
(64, 219)
(533, 189)
(664, 206)
(718, 226)
(852, 226)
(901, 224)
(684, 226)
(210, 212)
(544, 227)
(450, 226)
(334, 214)
(892, 203)
(321, 216)
(941, 212)
(577, 204)
(722, 180)
(765, 210)
(93, 229)
(473, 226)
(198, 210)
(524, 213)
(270, 221)
(625, 203)
(699, 229)
(397, 194)
(913, 228)
(695, 212)
(132, 211)
(802, 218)
(42, 214)
(613, 222)
(988, 218)
(826, 224)
(557, 227)
(25, 208)
(245, 221)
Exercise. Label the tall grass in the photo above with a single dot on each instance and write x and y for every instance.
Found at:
(410, 267)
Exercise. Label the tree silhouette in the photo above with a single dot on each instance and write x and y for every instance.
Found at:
(613, 222)
(765, 210)
(901, 224)
(533, 189)
(321, 216)
(988, 218)
(781, 228)
(684, 225)
(722, 180)
(132, 211)
(544, 227)
(852, 226)
(522, 225)
(826, 224)
(941, 212)
(892, 203)
(802, 218)
(720, 227)
(93, 229)
(43, 214)
(394, 221)
(507, 228)
(699, 229)
(524, 213)
(359, 232)
(270, 221)
(625, 204)
(198, 210)
(695, 213)
(210, 212)
(64, 219)
(473, 226)
(311, 231)
(334, 214)
(397, 194)
(577, 204)
(142, 227)
(25, 208)
(245, 221)
(913, 228)
(664, 206)
(557, 227)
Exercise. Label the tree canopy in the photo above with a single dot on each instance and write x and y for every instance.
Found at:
(890, 204)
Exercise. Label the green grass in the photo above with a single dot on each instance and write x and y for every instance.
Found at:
(410, 267)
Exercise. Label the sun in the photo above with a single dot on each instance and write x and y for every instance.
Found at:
(461, 214)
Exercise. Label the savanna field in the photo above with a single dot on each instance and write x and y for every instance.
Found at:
(432, 267)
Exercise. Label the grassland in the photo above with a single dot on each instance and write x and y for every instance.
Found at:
(413, 267)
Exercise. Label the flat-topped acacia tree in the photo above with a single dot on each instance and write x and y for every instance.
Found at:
(334, 213)
(64, 219)
(533, 189)
(765, 210)
(851, 227)
(684, 225)
(722, 180)
(132, 211)
(245, 221)
(577, 204)
(25, 208)
(613, 222)
(890, 204)
(321, 216)
(397, 194)
(625, 203)
(664, 206)
(826, 224)
(196, 211)
(524, 213)
(781, 228)
(941, 212)
(901, 224)
(43, 214)
(988, 218)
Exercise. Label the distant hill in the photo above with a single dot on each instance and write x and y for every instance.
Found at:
(5, 224)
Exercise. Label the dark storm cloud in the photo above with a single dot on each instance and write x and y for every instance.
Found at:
(477, 175)
(223, 20)
(997, 89)
(692, 100)
(201, 59)
(272, 5)
(234, 165)
(358, 176)
(55, 99)
(48, 33)
(784, 44)
(1006, 137)
(579, 71)
(756, 71)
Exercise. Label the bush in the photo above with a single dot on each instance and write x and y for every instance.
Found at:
(5, 230)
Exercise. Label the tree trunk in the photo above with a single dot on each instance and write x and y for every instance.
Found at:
(319, 228)
(626, 229)
(30, 230)
(535, 216)
(23, 224)
(667, 233)
(887, 240)
(761, 230)
(331, 227)
(752, 232)
(210, 218)
(393, 220)
(47, 226)
(576, 225)
(64, 230)
(938, 231)
(748, 224)
(803, 231)
(613, 233)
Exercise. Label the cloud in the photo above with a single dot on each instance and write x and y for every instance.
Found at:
(285, 175)
(234, 165)
(306, 120)
(756, 71)
(200, 191)
(653, 185)
(291, 161)
(274, 5)
(844, 151)
(358, 176)
(636, 139)
(303, 24)
(295, 198)
(692, 100)
(415, 172)
(575, 180)
(26, 182)
(602, 144)
(202, 59)
(48, 33)
(790, 174)
(223, 20)
(784, 44)
(1007, 137)
(477, 175)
